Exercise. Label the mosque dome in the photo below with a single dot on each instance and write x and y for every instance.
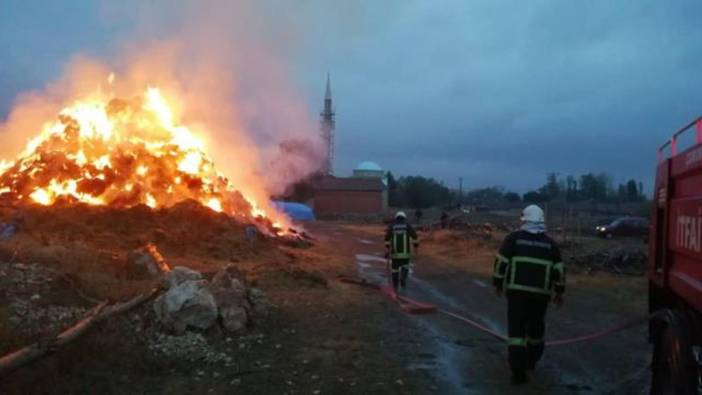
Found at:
(368, 166)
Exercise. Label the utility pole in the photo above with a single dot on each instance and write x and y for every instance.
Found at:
(460, 191)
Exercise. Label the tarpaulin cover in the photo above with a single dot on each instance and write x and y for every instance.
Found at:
(296, 211)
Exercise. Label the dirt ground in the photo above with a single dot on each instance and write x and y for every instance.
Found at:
(455, 274)
(321, 336)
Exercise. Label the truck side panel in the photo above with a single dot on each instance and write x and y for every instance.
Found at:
(683, 279)
(683, 242)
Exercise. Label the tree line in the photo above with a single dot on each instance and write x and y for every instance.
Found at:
(587, 187)
(417, 192)
(423, 192)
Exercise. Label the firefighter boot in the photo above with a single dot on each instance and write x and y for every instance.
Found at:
(404, 270)
(535, 349)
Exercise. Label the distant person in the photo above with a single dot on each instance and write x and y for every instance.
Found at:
(530, 268)
(397, 244)
(418, 215)
(444, 220)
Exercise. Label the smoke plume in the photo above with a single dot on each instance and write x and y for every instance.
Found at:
(224, 63)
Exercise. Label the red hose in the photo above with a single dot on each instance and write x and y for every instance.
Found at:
(475, 325)
(411, 306)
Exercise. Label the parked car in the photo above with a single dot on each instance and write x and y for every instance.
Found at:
(625, 226)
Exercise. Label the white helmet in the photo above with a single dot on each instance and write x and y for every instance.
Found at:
(400, 214)
(533, 213)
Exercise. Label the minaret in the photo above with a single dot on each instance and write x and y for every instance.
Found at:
(327, 125)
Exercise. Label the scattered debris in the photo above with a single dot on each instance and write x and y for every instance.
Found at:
(190, 346)
(629, 260)
(26, 355)
(37, 320)
(22, 286)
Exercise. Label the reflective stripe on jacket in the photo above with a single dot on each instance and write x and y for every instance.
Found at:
(530, 262)
(397, 240)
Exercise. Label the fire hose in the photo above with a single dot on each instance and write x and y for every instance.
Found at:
(411, 306)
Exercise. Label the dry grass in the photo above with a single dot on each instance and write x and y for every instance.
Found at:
(91, 243)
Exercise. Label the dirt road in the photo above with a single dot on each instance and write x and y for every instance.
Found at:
(465, 361)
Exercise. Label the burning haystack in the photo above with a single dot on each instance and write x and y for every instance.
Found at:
(122, 153)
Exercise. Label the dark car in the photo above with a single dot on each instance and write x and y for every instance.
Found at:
(626, 226)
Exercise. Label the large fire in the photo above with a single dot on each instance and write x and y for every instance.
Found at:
(110, 151)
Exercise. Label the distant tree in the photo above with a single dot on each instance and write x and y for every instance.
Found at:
(561, 188)
(571, 188)
(588, 186)
(596, 187)
(632, 191)
(392, 183)
(533, 197)
(621, 193)
(512, 197)
(394, 195)
(604, 187)
(552, 188)
(642, 195)
(422, 192)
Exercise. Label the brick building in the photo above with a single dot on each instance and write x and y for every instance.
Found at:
(349, 195)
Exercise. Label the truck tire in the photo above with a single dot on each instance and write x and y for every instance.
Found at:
(674, 369)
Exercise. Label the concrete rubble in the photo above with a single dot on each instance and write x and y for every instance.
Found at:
(232, 300)
(180, 274)
(188, 304)
(193, 302)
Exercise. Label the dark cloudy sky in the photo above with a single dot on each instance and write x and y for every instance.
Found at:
(497, 92)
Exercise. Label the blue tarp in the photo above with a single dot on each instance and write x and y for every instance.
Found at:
(296, 211)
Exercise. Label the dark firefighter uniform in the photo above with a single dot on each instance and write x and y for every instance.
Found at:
(398, 240)
(530, 268)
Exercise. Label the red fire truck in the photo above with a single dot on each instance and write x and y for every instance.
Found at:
(675, 265)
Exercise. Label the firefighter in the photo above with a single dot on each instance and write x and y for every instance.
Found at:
(529, 268)
(397, 244)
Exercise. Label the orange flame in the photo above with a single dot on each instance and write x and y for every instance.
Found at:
(108, 151)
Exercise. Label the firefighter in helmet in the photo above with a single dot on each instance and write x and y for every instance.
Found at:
(530, 269)
(398, 237)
